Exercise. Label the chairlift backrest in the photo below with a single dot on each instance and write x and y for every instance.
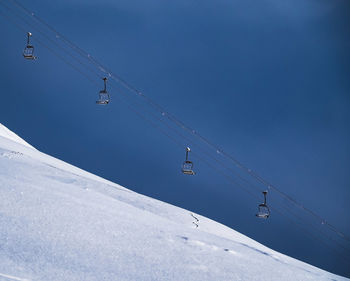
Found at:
(263, 211)
(28, 52)
(103, 98)
(187, 165)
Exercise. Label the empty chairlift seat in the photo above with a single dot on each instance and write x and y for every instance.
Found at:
(187, 166)
(263, 209)
(103, 97)
(28, 52)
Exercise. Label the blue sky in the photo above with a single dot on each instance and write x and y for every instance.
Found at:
(266, 81)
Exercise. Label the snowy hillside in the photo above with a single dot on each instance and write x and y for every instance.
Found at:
(6, 133)
(58, 222)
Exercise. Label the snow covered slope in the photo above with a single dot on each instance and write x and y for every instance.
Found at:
(6, 133)
(58, 222)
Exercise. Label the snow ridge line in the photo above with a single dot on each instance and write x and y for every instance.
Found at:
(196, 223)
(13, 277)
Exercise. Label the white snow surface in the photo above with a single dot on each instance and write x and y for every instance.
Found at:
(6, 133)
(58, 222)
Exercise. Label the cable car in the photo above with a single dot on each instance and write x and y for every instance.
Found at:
(103, 95)
(263, 209)
(187, 166)
(28, 52)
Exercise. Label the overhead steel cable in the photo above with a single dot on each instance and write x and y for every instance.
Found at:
(175, 120)
(279, 209)
(181, 124)
(19, 26)
(46, 37)
(236, 183)
(61, 37)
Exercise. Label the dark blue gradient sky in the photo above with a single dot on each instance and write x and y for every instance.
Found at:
(268, 81)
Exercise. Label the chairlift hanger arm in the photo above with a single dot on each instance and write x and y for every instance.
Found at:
(187, 151)
(28, 37)
(265, 193)
(105, 83)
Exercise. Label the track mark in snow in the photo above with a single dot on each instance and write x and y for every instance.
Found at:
(277, 259)
(65, 180)
(204, 245)
(232, 252)
(11, 154)
(199, 243)
(90, 179)
(10, 277)
(196, 222)
(274, 257)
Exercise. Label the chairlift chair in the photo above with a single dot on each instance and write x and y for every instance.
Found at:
(28, 52)
(187, 166)
(103, 95)
(263, 209)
